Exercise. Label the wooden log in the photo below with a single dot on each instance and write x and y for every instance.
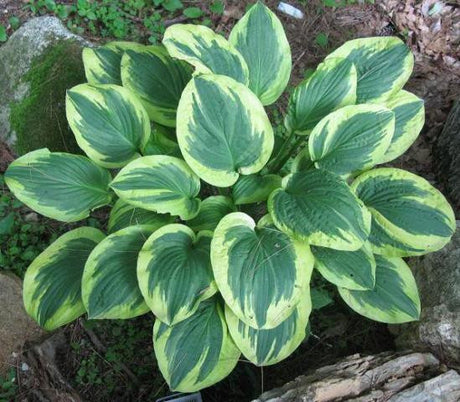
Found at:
(388, 376)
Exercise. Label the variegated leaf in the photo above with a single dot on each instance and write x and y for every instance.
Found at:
(197, 352)
(109, 123)
(330, 87)
(212, 210)
(109, 283)
(264, 347)
(52, 283)
(318, 206)
(409, 113)
(393, 300)
(163, 184)
(58, 185)
(123, 215)
(174, 272)
(206, 50)
(259, 36)
(384, 64)
(348, 269)
(302, 162)
(255, 188)
(102, 64)
(158, 79)
(260, 271)
(409, 216)
(162, 141)
(222, 130)
(351, 139)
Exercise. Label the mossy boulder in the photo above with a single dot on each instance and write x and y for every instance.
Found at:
(37, 65)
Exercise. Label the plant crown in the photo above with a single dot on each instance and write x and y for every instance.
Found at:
(214, 228)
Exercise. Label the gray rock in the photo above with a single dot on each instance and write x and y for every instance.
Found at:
(38, 63)
(16, 327)
(438, 280)
(447, 156)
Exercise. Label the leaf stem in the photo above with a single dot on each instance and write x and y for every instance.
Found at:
(281, 151)
(286, 151)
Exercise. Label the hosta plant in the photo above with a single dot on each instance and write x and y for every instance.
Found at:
(214, 228)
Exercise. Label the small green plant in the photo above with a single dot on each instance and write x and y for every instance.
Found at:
(322, 40)
(114, 363)
(8, 386)
(22, 236)
(3, 34)
(121, 19)
(88, 373)
(215, 229)
(14, 22)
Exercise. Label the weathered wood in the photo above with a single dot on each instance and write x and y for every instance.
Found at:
(445, 387)
(387, 376)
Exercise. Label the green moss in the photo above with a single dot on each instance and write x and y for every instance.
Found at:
(39, 120)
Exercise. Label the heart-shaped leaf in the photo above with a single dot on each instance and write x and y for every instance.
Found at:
(162, 142)
(206, 50)
(102, 64)
(109, 123)
(352, 138)
(320, 207)
(198, 351)
(109, 283)
(52, 283)
(212, 210)
(174, 272)
(330, 87)
(261, 272)
(222, 130)
(264, 347)
(393, 300)
(302, 161)
(158, 79)
(409, 113)
(348, 269)
(123, 215)
(159, 183)
(384, 64)
(255, 188)
(409, 216)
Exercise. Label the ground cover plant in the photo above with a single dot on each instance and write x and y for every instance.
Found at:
(121, 19)
(22, 236)
(217, 223)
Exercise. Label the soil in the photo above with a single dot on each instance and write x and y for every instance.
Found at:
(6, 156)
(337, 331)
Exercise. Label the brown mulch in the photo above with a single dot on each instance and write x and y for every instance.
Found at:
(432, 30)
